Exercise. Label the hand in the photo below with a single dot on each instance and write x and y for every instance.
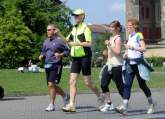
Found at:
(41, 57)
(126, 46)
(74, 43)
(58, 56)
(129, 47)
(107, 42)
(125, 56)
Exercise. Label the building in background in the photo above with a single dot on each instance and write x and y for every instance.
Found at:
(151, 14)
(102, 29)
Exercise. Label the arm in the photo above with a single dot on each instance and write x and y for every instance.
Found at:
(117, 48)
(42, 54)
(105, 53)
(142, 47)
(85, 44)
(64, 49)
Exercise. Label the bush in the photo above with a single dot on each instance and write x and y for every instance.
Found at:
(156, 61)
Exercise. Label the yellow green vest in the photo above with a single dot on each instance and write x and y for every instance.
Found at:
(80, 33)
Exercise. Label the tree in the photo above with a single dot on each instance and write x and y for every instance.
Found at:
(23, 26)
(15, 42)
(37, 14)
(98, 48)
(2, 8)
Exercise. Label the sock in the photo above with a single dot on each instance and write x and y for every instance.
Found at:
(51, 104)
(150, 101)
(125, 103)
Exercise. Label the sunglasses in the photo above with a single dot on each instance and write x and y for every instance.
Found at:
(50, 29)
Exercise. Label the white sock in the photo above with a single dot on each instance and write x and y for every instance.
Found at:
(51, 104)
(125, 103)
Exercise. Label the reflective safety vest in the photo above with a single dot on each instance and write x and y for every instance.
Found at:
(80, 33)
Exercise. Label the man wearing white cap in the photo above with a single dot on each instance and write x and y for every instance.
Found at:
(80, 41)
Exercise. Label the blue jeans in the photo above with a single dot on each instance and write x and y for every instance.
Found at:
(129, 77)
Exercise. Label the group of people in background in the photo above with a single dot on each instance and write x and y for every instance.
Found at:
(124, 61)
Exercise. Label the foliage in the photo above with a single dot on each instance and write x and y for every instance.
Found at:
(15, 42)
(35, 83)
(23, 26)
(99, 46)
(156, 61)
(37, 14)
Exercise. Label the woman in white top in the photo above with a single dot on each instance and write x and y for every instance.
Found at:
(134, 56)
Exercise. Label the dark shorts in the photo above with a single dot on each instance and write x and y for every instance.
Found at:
(83, 63)
(53, 74)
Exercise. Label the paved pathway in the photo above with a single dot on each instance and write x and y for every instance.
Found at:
(32, 107)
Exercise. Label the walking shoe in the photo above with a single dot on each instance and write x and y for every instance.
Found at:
(121, 109)
(69, 108)
(66, 99)
(50, 108)
(100, 101)
(107, 108)
(151, 109)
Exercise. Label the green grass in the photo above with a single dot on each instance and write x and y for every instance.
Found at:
(16, 83)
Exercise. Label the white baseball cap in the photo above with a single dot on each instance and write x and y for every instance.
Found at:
(78, 12)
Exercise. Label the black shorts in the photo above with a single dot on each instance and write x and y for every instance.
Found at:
(53, 74)
(82, 63)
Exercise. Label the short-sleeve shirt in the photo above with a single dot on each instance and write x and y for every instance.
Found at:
(134, 41)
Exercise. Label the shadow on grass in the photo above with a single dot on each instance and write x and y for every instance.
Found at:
(11, 98)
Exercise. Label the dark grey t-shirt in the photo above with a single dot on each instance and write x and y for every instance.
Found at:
(52, 46)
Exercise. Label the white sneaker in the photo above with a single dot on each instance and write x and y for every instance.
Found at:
(151, 109)
(50, 108)
(121, 109)
(66, 99)
(107, 108)
(69, 108)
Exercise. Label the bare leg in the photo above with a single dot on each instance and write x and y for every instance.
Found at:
(52, 92)
(59, 91)
(73, 87)
(90, 85)
(73, 91)
(107, 97)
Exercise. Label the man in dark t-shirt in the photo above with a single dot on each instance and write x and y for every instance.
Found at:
(53, 51)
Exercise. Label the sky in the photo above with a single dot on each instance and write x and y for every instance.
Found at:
(100, 11)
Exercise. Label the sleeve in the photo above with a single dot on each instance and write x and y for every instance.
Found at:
(138, 39)
(88, 34)
(65, 49)
(43, 49)
(140, 36)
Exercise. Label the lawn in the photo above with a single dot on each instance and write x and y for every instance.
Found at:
(16, 83)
